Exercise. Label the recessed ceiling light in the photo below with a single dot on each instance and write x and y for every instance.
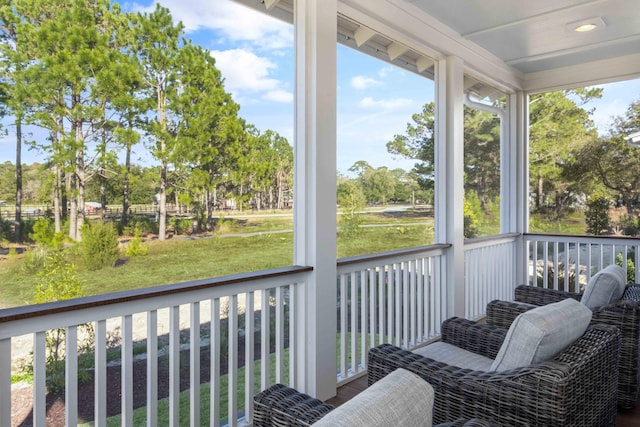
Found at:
(586, 25)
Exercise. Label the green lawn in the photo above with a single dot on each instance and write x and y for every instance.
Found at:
(185, 258)
(140, 414)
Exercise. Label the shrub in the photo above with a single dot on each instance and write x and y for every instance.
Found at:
(34, 259)
(135, 247)
(471, 229)
(99, 245)
(57, 280)
(629, 226)
(143, 224)
(597, 215)
(44, 234)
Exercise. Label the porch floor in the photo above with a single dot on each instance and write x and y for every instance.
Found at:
(625, 418)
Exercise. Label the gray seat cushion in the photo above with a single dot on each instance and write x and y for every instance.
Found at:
(455, 356)
(401, 398)
(540, 334)
(605, 287)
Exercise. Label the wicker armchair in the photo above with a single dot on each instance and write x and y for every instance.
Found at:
(284, 406)
(624, 314)
(576, 388)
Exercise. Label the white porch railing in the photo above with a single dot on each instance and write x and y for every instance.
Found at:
(489, 272)
(568, 262)
(395, 297)
(234, 312)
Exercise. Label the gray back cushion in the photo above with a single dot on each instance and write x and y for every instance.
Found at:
(605, 287)
(540, 334)
(401, 399)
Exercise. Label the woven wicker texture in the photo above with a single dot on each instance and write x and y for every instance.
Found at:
(280, 405)
(624, 314)
(577, 388)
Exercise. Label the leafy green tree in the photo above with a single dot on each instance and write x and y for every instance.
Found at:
(613, 162)
(13, 96)
(72, 43)
(558, 127)
(351, 201)
(158, 45)
(418, 143)
(597, 214)
(482, 155)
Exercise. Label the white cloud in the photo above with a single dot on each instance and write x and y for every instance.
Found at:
(245, 72)
(362, 82)
(385, 71)
(386, 104)
(279, 95)
(235, 22)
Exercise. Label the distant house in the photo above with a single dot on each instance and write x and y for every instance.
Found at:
(92, 208)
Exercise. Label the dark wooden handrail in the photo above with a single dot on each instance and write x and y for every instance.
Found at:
(38, 310)
(389, 254)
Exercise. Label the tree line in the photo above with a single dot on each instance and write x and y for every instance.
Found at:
(570, 164)
(98, 82)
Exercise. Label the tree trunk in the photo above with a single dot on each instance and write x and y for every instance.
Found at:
(18, 218)
(57, 191)
(162, 203)
(125, 191)
(539, 192)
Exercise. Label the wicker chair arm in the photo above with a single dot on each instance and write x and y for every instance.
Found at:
(542, 296)
(632, 293)
(474, 422)
(480, 338)
(503, 313)
(578, 388)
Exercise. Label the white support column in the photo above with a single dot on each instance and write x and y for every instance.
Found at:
(315, 190)
(449, 195)
(519, 135)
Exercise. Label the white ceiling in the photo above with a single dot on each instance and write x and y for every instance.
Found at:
(506, 44)
(532, 35)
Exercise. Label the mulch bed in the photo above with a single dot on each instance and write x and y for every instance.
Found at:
(22, 415)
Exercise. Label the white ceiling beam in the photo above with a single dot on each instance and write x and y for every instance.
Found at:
(270, 3)
(533, 18)
(588, 74)
(424, 63)
(394, 50)
(363, 35)
(578, 49)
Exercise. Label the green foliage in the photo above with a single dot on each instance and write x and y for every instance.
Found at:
(181, 225)
(44, 234)
(144, 225)
(56, 281)
(597, 215)
(99, 245)
(35, 258)
(631, 267)
(135, 247)
(351, 201)
(629, 226)
(470, 220)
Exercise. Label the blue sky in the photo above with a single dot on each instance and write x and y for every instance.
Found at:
(375, 100)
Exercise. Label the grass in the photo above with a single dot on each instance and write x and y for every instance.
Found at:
(186, 258)
(140, 414)
(192, 258)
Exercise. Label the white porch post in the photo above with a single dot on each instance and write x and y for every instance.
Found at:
(449, 194)
(315, 191)
(519, 194)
